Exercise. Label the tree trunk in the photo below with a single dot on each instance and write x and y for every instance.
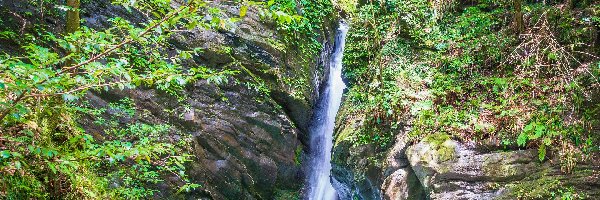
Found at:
(73, 16)
(518, 21)
(73, 24)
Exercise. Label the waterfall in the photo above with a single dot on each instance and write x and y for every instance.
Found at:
(321, 131)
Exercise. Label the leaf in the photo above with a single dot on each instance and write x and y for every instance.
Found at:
(16, 154)
(179, 165)
(542, 152)
(522, 139)
(539, 131)
(552, 56)
(529, 127)
(243, 11)
(52, 167)
(31, 148)
(547, 141)
(18, 164)
(127, 145)
(49, 153)
(185, 55)
(4, 154)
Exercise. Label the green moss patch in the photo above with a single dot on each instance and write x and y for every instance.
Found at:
(441, 143)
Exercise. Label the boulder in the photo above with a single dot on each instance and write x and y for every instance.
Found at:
(448, 169)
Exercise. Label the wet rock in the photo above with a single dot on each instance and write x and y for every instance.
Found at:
(358, 176)
(400, 181)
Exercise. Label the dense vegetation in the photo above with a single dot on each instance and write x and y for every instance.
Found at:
(44, 151)
(501, 74)
(494, 75)
(47, 70)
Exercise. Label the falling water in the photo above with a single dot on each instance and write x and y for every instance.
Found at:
(321, 139)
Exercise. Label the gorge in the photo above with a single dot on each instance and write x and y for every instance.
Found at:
(299, 99)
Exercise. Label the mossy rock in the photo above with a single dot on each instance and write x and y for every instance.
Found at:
(443, 146)
(549, 183)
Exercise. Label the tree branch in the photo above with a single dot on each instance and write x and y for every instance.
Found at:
(24, 96)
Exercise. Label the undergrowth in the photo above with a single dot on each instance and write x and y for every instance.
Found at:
(468, 73)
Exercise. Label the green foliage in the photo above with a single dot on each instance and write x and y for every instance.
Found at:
(300, 25)
(347, 6)
(105, 60)
(477, 102)
(385, 82)
(468, 75)
(300, 22)
(298, 156)
(126, 163)
(44, 151)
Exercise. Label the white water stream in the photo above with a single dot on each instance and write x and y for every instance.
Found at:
(321, 132)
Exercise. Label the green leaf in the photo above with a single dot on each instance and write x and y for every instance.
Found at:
(52, 167)
(539, 131)
(552, 56)
(547, 141)
(50, 153)
(16, 154)
(529, 127)
(4, 154)
(243, 11)
(542, 152)
(522, 139)
(18, 164)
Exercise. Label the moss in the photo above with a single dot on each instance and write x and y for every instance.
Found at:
(347, 132)
(539, 188)
(441, 143)
(436, 139)
(546, 185)
(287, 195)
(495, 168)
(298, 155)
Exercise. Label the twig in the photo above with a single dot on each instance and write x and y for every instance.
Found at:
(77, 89)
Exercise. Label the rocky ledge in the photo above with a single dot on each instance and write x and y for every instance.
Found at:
(439, 167)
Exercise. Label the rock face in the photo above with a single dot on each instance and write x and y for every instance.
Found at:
(365, 173)
(449, 170)
(400, 180)
(356, 173)
(438, 167)
(247, 144)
